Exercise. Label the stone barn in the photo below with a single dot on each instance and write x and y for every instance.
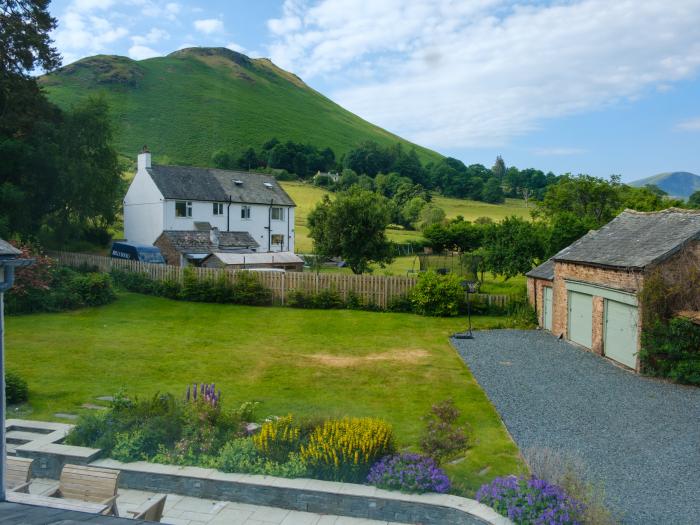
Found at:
(588, 292)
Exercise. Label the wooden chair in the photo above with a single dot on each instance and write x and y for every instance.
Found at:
(91, 484)
(18, 474)
(151, 509)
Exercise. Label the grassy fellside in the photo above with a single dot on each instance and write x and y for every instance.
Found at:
(306, 362)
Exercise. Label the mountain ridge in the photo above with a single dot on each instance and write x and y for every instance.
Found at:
(194, 101)
(678, 184)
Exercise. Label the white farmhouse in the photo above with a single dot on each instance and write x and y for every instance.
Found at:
(165, 199)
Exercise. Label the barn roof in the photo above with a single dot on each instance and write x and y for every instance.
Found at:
(258, 258)
(200, 241)
(543, 271)
(208, 184)
(635, 239)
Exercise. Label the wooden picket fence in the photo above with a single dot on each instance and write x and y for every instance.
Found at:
(376, 289)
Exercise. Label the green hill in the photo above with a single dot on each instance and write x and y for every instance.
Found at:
(195, 101)
(679, 184)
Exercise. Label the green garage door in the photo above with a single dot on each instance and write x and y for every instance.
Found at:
(547, 311)
(581, 318)
(621, 332)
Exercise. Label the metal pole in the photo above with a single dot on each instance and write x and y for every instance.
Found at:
(3, 451)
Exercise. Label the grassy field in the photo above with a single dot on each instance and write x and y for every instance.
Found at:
(193, 102)
(307, 362)
(306, 196)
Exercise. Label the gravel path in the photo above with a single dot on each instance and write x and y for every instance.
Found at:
(640, 437)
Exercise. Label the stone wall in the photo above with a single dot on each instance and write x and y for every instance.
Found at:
(170, 254)
(535, 295)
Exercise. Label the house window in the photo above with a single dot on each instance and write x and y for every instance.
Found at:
(218, 208)
(183, 209)
(277, 213)
(277, 239)
(245, 212)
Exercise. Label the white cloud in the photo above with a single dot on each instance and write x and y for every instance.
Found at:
(138, 52)
(557, 152)
(90, 5)
(209, 26)
(691, 124)
(236, 47)
(154, 36)
(447, 73)
(79, 35)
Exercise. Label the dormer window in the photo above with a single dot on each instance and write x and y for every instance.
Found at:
(183, 209)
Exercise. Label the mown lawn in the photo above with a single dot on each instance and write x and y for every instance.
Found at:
(306, 362)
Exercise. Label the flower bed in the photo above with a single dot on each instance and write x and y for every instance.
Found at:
(199, 431)
(531, 501)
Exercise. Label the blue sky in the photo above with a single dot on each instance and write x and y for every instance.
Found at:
(582, 86)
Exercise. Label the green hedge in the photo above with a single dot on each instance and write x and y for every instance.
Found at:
(67, 289)
(672, 350)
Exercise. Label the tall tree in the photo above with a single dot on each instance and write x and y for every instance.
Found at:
(513, 246)
(352, 227)
(694, 200)
(499, 169)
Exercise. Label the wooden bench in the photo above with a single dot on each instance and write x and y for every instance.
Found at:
(151, 510)
(18, 474)
(91, 484)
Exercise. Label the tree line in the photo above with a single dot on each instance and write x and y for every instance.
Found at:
(59, 175)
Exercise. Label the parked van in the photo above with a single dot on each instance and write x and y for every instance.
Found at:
(136, 252)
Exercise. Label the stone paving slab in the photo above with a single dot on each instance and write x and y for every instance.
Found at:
(185, 510)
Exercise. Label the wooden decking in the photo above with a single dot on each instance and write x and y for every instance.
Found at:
(20, 514)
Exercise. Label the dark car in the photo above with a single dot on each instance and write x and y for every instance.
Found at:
(136, 252)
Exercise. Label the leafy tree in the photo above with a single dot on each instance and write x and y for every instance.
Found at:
(410, 212)
(513, 246)
(369, 159)
(499, 169)
(347, 178)
(430, 215)
(594, 200)
(221, 159)
(694, 200)
(492, 192)
(565, 229)
(352, 227)
(249, 160)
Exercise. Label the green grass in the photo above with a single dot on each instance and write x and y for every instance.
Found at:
(306, 196)
(307, 362)
(189, 104)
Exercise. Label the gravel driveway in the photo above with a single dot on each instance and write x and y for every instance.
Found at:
(640, 437)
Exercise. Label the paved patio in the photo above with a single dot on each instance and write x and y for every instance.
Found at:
(184, 510)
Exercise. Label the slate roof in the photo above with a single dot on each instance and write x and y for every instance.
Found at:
(200, 242)
(543, 271)
(208, 184)
(6, 249)
(635, 239)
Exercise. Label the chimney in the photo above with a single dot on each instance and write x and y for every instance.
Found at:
(144, 159)
(214, 237)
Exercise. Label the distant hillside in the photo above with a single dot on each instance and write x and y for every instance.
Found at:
(195, 101)
(680, 184)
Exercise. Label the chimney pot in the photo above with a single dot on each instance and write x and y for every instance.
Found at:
(144, 159)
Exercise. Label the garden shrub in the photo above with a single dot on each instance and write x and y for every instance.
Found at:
(409, 473)
(400, 304)
(129, 446)
(242, 455)
(249, 290)
(345, 449)
(443, 437)
(16, 388)
(278, 438)
(563, 470)
(94, 289)
(531, 500)
(672, 350)
(437, 295)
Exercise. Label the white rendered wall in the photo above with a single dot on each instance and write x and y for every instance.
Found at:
(143, 210)
(256, 226)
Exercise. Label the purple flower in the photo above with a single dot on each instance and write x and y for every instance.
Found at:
(531, 501)
(409, 473)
